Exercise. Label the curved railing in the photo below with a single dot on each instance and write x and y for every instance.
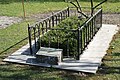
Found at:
(50, 22)
(83, 34)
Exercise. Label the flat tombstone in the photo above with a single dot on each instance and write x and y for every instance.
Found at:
(49, 55)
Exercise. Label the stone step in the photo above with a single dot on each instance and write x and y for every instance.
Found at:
(49, 55)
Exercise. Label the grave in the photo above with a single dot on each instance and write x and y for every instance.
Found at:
(49, 53)
(89, 61)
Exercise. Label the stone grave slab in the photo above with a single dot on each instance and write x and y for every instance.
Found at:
(49, 55)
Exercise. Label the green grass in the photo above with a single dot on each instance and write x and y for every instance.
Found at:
(111, 67)
(110, 70)
(15, 9)
(13, 34)
(16, 32)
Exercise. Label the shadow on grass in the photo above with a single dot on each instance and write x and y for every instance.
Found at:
(13, 72)
(116, 54)
(9, 71)
(111, 69)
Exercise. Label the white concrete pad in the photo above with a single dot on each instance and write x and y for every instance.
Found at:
(89, 61)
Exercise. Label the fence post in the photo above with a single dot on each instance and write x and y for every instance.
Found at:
(81, 42)
(92, 29)
(56, 19)
(39, 42)
(68, 9)
(53, 21)
(29, 35)
(35, 35)
(101, 17)
(46, 25)
(78, 42)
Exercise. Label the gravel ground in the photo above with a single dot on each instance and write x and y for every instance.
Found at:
(107, 18)
(111, 19)
(38, 17)
(7, 21)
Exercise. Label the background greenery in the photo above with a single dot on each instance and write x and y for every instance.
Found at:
(15, 9)
(9, 1)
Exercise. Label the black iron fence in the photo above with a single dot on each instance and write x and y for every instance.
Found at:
(73, 42)
(87, 31)
(61, 38)
(40, 28)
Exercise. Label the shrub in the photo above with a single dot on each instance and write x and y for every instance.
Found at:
(66, 37)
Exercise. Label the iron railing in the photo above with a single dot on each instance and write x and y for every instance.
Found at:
(36, 29)
(83, 35)
(87, 31)
(61, 38)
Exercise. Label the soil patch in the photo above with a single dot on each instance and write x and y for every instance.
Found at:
(6, 21)
(111, 18)
(108, 18)
(40, 16)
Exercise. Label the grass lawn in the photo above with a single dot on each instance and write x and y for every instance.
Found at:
(16, 32)
(12, 35)
(110, 70)
(15, 9)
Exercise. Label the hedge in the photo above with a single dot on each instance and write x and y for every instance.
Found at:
(66, 37)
